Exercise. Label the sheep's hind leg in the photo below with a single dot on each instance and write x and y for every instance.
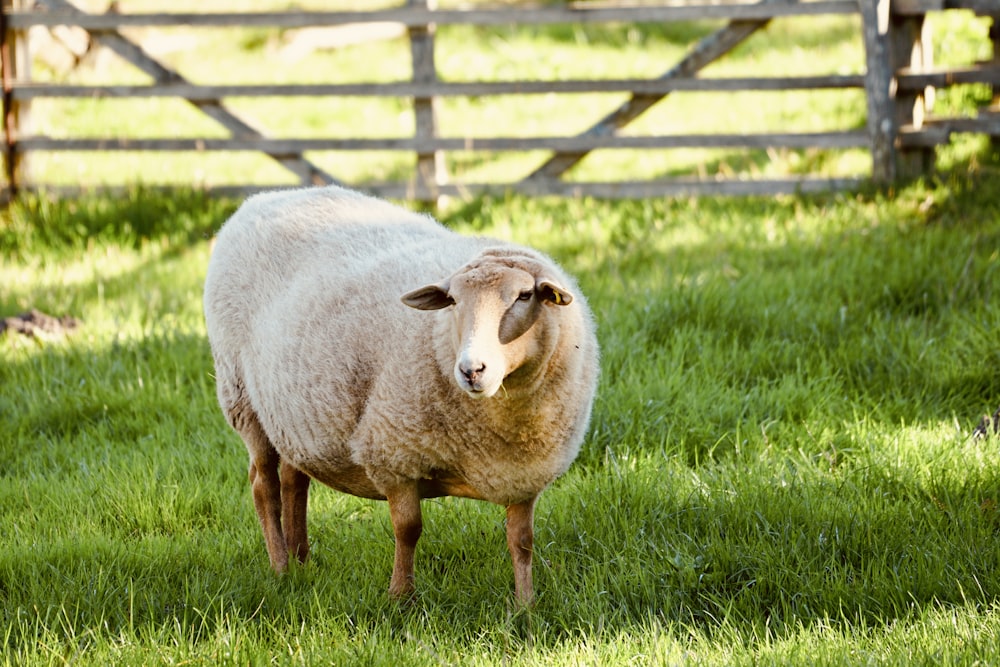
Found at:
(267, 501)
(264, 482)
(294, 503)
(520, 542)
(407, 524)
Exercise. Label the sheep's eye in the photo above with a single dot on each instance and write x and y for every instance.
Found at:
(525, 296)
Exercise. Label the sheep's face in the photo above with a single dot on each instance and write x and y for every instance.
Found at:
(495, 306)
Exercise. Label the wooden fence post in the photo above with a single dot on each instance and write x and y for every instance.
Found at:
(15, 63)
(909, 47)
(430, 166)
(878, 79)
(995, 62)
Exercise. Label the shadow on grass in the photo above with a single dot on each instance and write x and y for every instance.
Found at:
(752, 553)
(37, 223)
(755, 552)
(758, 550)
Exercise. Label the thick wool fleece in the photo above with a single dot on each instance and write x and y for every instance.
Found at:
(358, 390)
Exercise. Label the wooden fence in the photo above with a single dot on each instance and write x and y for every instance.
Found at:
(900, 133)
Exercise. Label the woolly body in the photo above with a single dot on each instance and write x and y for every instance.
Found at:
(353, 388)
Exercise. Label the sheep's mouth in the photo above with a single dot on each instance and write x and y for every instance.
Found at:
(476, 390)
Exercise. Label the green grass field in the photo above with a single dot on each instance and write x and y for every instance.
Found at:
(779, 469)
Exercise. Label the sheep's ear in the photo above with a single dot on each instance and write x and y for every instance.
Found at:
(431, 297)
(549, 291)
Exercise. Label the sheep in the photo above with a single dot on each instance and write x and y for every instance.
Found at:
(373, 350)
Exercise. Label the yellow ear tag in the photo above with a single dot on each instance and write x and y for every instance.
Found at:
(558, 298)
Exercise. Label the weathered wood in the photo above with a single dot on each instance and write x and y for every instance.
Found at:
(884, 133)
(430, 165)
(923, 7)
(984, 123)
(928, 136)
(994, 64)
(906, 49)
(601, 190)
(15, 66)
(916, 7)
(193, 92)
(833, 140)
(305, 171)
(631, 189)
(414, 16)
(707, 50)
(909, 80)
(881, 130)
(683, 187)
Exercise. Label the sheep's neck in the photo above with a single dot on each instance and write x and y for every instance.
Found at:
(529, 397)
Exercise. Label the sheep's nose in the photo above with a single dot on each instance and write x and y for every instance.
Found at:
(472, 370)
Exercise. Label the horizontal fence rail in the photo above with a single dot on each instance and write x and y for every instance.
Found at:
(461, 88)
(421, 16)
(898, 133)
(581, 143)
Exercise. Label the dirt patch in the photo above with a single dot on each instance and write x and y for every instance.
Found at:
(36, 323)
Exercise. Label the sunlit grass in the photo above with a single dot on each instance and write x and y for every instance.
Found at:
(778, 469)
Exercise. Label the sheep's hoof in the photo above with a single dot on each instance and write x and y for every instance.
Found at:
(403, 593)
(524, 601)
(279, 565)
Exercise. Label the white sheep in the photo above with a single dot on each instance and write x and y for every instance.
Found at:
(481, 388)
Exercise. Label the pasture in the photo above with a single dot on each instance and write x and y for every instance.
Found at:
(779, 468)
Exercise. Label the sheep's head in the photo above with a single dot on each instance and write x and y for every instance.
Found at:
(496, 301)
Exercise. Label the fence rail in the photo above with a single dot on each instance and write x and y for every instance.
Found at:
(471, 88)
(417, 16)
(901, 133)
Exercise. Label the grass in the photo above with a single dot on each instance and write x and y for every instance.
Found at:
(779, 469)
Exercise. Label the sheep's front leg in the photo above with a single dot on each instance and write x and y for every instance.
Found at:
(520, 542)
(294, 504)
(407, 524)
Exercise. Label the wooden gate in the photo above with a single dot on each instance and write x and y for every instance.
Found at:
(900, 134)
